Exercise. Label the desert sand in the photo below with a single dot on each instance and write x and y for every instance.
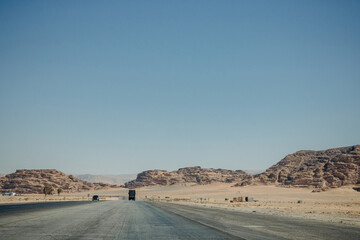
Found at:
(340, 205)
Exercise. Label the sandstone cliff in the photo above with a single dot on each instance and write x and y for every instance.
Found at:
(33, 181)
(321, 169)
(195, 175)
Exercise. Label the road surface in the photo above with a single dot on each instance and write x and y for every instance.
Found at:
(143, 220)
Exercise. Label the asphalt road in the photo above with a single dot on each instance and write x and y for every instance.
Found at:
(261, 226)
(10, 209)
(142, 220)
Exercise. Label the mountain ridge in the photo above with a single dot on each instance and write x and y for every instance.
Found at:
(322, 169)
(34, 180)
(195, 175)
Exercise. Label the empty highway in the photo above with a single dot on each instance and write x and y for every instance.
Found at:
(143, 220)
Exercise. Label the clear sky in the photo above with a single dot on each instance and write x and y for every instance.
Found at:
(115, 87)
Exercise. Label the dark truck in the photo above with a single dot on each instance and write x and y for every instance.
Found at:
(132, 195)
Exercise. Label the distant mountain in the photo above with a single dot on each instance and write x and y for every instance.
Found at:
(196, 175)
(254, 172)
(321, 169)
(109, 179)
(33, 181)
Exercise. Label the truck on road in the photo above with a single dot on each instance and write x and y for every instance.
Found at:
(132, 195)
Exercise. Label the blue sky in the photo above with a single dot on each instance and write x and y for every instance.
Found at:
(114, 87)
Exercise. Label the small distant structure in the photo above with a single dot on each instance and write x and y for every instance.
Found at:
(200, 199)
(249, 199)
(242, 199)
(9, 194)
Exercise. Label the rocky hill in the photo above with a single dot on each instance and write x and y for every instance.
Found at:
(109, 179)
(33, 181)
(196, 175)
(321, 169)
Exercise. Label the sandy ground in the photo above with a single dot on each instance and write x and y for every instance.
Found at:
(340, 205)
(335, 205)
(81, 196)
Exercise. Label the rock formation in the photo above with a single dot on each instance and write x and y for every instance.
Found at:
(320, 169)
(33, 181)
(195, 175)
